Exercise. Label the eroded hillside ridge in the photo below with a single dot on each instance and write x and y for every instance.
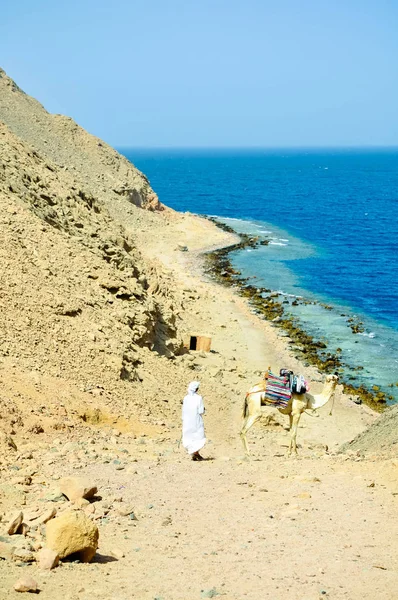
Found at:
(73, 282)
(381, 437)
(98, 168)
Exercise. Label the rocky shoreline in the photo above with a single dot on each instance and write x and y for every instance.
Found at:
(267, 305)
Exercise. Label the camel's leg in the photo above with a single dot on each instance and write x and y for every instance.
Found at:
(287, 411)
(293, 432)
(247, 424)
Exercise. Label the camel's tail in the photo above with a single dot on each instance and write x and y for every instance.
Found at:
(244, 408)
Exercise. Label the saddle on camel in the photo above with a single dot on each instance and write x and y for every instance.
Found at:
(278, 389)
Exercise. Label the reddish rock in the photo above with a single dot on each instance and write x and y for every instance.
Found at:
(47, 559)
(26, 584)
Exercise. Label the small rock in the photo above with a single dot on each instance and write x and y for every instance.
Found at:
(77, 487)
(26, 584)
(37, 545)
(70, 447)
(23, 555)
(6, 551)
(209, 593)
(8, 441)
(55, 497)
(14, 523)
(49, 514)
(125, 511)
(24, 529)
(89, 509)
(117, 553)
(47, 559)
(22, 481)
(81, 502)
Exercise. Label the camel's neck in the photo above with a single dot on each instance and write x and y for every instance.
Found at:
(321, 399)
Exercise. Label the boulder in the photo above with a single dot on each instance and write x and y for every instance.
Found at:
(77, 487)
(72, 533)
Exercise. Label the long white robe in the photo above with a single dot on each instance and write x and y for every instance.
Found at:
(193, 429)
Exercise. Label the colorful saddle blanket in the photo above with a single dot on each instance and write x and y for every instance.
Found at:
(277, 390)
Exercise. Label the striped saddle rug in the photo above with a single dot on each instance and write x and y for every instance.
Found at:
(277, 390)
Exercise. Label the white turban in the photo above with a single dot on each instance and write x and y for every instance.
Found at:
(193, 387)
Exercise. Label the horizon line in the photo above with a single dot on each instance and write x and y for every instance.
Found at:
(370, 147)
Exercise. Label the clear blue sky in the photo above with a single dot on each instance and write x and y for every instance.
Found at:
(211, 72)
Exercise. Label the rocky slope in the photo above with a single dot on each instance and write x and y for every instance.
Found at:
(98, 168)
(79, 303)
(380, 438)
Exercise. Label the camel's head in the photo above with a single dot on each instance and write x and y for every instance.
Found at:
(332, 378)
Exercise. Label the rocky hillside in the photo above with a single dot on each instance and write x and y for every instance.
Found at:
(98, 168)
(381, 438)
(80, 308)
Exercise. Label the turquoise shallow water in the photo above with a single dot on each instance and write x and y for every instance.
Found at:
(331, 217)
(273, 266)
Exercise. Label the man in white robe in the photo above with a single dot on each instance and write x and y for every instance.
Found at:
(193, 429)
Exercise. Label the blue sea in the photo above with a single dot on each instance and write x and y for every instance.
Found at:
(331, 218)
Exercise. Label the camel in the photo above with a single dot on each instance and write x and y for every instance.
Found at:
(298, 403)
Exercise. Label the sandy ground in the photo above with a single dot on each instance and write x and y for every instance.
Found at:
(322, 525)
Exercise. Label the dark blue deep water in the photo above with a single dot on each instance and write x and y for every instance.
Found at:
(332, 219)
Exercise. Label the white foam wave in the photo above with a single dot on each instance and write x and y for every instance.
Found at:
(282, 240)
(370, 335)
(281, 293)
(224, 218)
(277, 244)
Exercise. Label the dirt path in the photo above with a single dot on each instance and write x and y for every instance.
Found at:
(318, 526)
